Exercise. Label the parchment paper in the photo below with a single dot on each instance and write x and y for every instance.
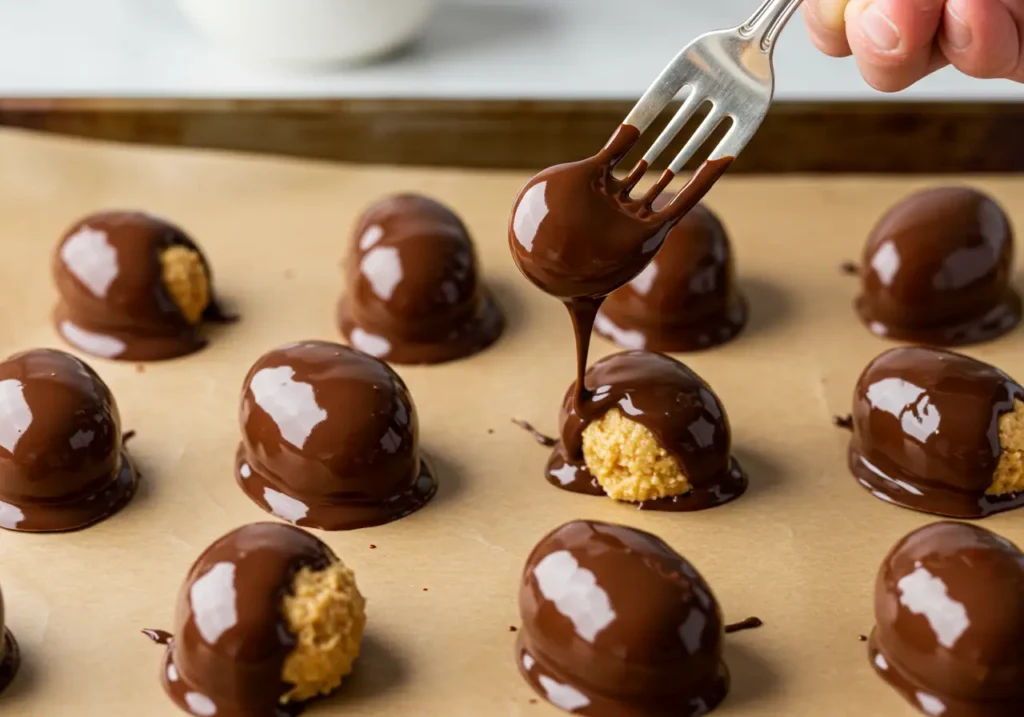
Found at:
(799, 550)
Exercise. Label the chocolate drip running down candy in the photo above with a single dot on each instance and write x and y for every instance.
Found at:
(617, 624)
(939, 432)
(267, 618)
(330, 439)
(949, 608)
(132, 287)
(684, 300)
(652, 432)
(10, 657)
(413, 294)
(937, 269)
(62, 462)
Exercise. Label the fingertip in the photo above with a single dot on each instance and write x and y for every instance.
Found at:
(981, 38)
(826, 37)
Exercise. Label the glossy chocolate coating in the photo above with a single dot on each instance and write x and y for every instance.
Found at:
(617, 624)
(926, 431)
(231, 639)
(674, 404)
(113, 301)
(330, 439)
(949, 608)
(10, 657)
(62, 463)
(578, 235)
(936, 270)
(684, 300)
(413, 293)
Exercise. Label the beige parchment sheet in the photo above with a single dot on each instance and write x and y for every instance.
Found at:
(799, 550)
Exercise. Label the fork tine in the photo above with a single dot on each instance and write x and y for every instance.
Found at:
(660, 93)
(735, 140)
(675, 125)
(714, 118)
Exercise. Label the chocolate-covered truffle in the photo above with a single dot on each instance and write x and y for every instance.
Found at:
(937, 270)
(686, 299)
(62, 464)
(650, 431)
(413, 293)
(939, 432)
(132, 287)
(267, 617)
(617, 624)
(10, 657)
(949, 608)
(330, 439)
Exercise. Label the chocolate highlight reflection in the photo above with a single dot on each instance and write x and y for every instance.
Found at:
(684, 300)
(10, 657)
(939, 432)
(267, 618)
(62, 462)
(132, 287)
(949, 606)
(413, 294)
(617, 624)
(330, 439)
(936, 270)
(682, 462)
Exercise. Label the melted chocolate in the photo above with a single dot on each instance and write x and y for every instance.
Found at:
(949, 608)
(926, 431)
(62, 463)
(844, 422)
(576, 233)
(231, 639)
(937, 268)
(160, 637)
(546, 441)
(686, 298)
(330, 439)
(750, 623)
(617, 624)
(413, 293)
(10, 656)
(674, 404)
(113, 301)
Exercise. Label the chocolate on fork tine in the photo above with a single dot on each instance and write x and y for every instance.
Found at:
(730, 69)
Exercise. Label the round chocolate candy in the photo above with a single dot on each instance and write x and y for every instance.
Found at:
(939, 432)
(62, 463)
(413, 289)
(949, 611)
(132, 287)
(267, 618)
(10, 657)
(617, 624)
(649, 431)
(330, 439)
(684, 300)
(936, 270)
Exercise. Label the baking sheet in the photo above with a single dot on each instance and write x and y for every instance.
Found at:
(799, 550)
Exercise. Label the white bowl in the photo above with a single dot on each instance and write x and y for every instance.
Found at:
(309, 32)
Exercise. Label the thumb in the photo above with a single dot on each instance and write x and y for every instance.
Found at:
(894, 41)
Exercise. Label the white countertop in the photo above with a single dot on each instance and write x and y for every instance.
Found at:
(511, 49)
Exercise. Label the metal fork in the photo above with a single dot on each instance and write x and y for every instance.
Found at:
(731, 69)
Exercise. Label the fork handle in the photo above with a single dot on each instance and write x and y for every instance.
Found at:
(765, 25)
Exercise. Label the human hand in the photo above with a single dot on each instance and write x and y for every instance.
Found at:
(897, 42)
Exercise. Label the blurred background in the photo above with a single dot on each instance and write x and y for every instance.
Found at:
(494, 83)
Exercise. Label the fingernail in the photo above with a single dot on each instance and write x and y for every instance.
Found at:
(956, 30)
(879, 29)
